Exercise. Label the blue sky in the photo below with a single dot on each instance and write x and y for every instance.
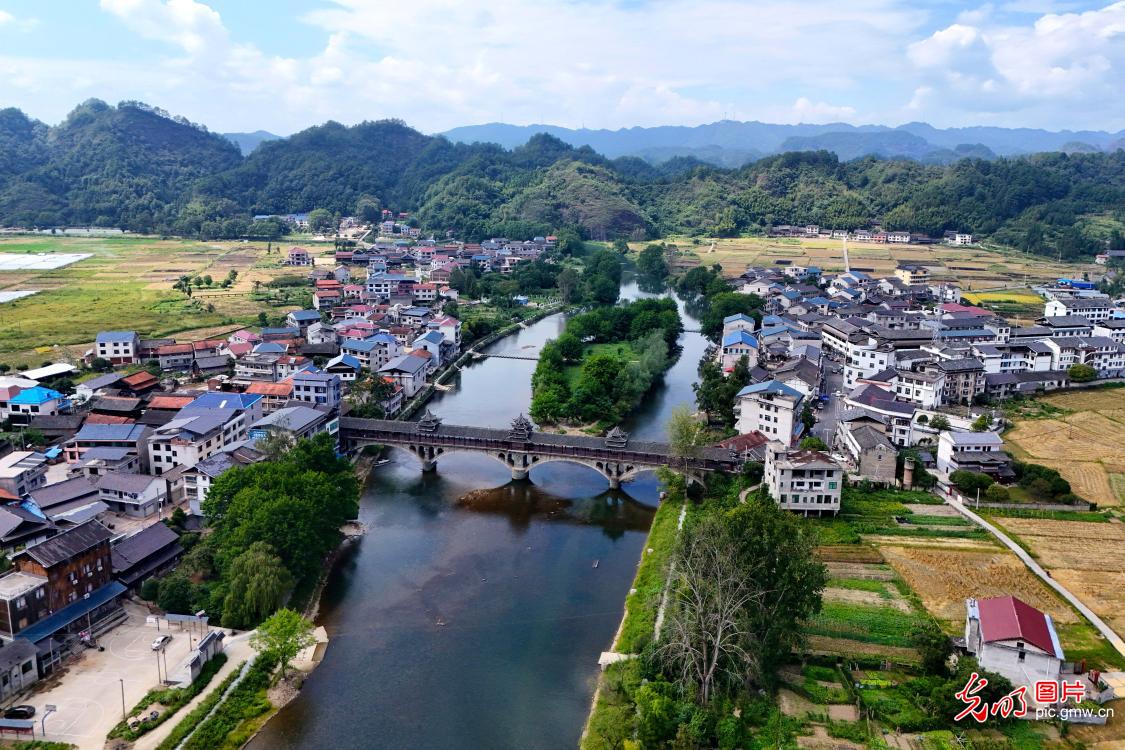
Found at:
(285, 65)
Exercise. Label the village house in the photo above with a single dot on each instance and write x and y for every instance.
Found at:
(119, 347)
(298, 256)
(295, 422)
(322, 389)
(803, 481)
(1010, 637)
(981, 452)
(20, 473)
(61, 585)
(135, 495)
(408, 371)
(128, 436)
(149, 552)
(772, 409)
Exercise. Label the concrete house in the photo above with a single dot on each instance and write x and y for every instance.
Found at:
(803, 481)
(771, 408)
(136, 495)
(1012, 638)
(737, 344)
(20, 473)
(981, 452)
(318, 388)
(119, 347)
(408, 371)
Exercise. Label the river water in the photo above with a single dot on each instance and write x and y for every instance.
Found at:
(473, 612)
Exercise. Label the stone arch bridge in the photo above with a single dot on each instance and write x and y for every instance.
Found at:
(520, 448)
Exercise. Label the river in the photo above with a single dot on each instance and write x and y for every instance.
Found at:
(473, 612)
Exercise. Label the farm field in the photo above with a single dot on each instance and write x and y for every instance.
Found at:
(973, 268)
(1021, 305)
(1087, 558)
(1081, 434)
(126, 283)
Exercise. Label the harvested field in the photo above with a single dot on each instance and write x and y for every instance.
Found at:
(792, 704)
(935, 542)
(823, 645)
(1077, 530)
(973, 268)
(1086, 443)
(943, 579)
(1103, 593)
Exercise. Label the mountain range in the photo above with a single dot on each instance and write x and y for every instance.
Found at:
(137, 167)
(731, 144)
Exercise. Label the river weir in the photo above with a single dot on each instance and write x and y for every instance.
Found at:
(472, 612)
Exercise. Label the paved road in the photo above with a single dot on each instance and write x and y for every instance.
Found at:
(1038, 570)
(829, 416)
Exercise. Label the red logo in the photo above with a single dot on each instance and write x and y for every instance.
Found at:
(1012, 704)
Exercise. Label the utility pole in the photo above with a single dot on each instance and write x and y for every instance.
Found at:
(124, 715)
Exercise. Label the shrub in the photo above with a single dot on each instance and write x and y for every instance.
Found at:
(968, 482)
(996, 494)
(150, 589)
(172, 699)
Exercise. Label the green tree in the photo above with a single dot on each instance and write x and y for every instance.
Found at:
(621, 246)
(996, 494)
(1080, 373)
(321, 220)
(687, 436)
(934, 646)
(368, 209)
(651, 261)
(981, 423)
(813, 443)
(282, 636)
(177, 594)
(101, 364)
(745, 579)
(257, 583)
(939, 422)
(969, 482)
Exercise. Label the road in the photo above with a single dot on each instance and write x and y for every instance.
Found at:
(829, 416)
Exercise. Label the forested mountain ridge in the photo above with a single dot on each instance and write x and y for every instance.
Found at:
(137, 168)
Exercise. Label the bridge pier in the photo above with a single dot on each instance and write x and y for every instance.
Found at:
(614, 483)
(518, 473)
(429, 464)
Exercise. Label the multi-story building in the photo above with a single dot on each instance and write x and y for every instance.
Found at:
(803, 481)
(136, 495)
(318, 388)
(129, 436)
(38, 401)
(1093, 309)
(770, 408)
(119, 347)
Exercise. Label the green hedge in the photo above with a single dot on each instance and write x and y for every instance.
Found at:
(191, 721)
(247, 701)
(173, 699)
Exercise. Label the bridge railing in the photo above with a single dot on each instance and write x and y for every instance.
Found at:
(623, 455)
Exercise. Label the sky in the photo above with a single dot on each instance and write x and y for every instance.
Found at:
(284, 65)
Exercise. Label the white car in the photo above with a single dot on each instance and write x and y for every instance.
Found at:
(160, 642)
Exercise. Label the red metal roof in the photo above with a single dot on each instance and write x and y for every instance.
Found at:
(1006, 618)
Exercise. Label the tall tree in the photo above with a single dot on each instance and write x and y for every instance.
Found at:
(257, 585)
(282, 636)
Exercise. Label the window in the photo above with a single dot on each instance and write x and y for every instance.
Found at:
(831, 485)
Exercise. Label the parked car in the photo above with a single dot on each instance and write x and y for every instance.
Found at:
(160, 642)
(19, 712)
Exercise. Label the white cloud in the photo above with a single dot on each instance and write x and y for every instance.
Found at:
(1072, 63)
(192, 26)
(604, 63)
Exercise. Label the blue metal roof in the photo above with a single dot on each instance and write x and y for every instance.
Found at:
(740, 337)
(219, 400)
(52, 624)
(37, 395)
(304, 315)
(738, 318)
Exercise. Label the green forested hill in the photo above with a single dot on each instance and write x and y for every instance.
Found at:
(137, 168)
